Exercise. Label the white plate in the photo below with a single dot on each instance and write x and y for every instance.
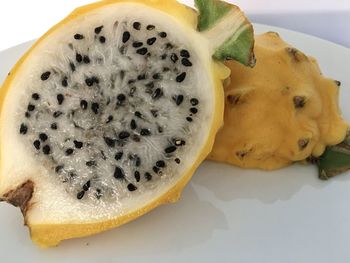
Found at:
(225, 214)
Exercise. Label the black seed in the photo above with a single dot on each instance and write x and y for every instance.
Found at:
(156, 76)
(189, 119)
(131, 81)
(69, 151)
(110, 118)
(170, 149)
(157, 93)
(35, 96)
(136, 138)
(86, 59)
(154, 113)
(132, 187)
(181, 77)
(98, 193)
(78, 58)
(137, 176)
(78, 36)
(148, 176)
(133, 124)
(78, 144)
(150, 85)
(119, 173)
(137, 44)
(121, 97)
(46, 149)
(80, 195)
(60, 99)
(126, 36)
(56, 114)
(162, 34)
(145, 132)
(164, 56)
(160, 129)
(83, 104)
(138, 114)
(338, 83)
(168, 46)
(141, 77)
(193, 110)
(118, 155)
(123, 135)
(109, 141)
(174, 57)
(89, 82)
(58, 168)
(137, 25)
(151, 41)
(184, 53)
(86, 186)
(186, 62)
(142, 51)
(155, 169)
(65, 82)
(177, 160)
(178, 142)
(98, 29)
(43, 137)
(150, 27)
(23, 129)
(194, 102)
(45, 75)
(94, 107)
(72, 66)
(103, 155)
(54, 126)
(36, 144)
(27, 114)
(299, 101)
(178, 99)
(90, 163)
(31, 107)
(102, 39)
(166, 69)
(160, 163)
(137, 161)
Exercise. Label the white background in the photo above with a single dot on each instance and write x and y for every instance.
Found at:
(22, 20)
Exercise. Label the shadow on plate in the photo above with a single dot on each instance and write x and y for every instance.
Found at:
(230, 183)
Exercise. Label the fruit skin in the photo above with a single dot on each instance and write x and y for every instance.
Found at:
(47, 235)
(279, 112)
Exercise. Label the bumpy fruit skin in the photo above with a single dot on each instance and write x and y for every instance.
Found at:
(281, 111)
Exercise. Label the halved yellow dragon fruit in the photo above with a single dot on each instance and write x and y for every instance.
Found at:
(109, 114)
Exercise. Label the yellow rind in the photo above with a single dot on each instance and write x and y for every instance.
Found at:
(48, 235)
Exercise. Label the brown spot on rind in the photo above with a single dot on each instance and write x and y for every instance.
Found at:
(233, 99)
(303, 143)
(296, 54)
(299, 102)
(21, 196)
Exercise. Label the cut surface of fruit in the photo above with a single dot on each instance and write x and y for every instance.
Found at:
(108, 115)
(281, 111)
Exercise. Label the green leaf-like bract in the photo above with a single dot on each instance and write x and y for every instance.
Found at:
(335, 160)
(239, 43)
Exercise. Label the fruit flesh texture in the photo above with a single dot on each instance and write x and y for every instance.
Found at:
(48, 233)
(279, 112)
